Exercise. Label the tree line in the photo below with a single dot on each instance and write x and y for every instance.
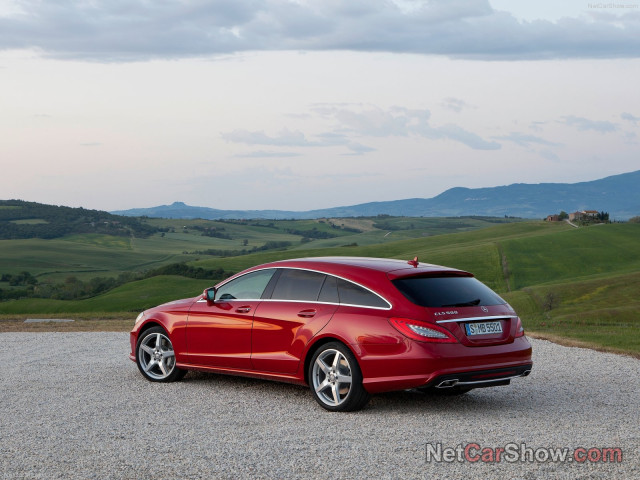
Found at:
(75, 289)
(20, 219)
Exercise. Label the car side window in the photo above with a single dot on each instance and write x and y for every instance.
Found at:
(246, 287)
(300, 285)
(352, 294)
(329, 291)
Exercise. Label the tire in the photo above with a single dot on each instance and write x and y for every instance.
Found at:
(155, 357)
(336, 380)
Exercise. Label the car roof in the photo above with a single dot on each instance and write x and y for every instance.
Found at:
(392, 267)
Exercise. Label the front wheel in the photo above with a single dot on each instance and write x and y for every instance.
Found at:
(155, 357)
(336, 380)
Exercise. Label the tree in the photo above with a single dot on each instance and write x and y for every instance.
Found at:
(563, 215)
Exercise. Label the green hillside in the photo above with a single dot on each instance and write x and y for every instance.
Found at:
(580, 284)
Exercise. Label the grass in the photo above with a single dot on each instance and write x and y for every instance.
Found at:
(125, 300)
(30, 221)
(579, 285)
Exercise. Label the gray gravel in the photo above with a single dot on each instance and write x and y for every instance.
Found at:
(74, 406)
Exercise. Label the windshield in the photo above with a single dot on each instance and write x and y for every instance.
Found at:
(447, 291)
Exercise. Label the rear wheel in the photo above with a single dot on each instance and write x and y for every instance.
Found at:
(155, 357)
(336, 380)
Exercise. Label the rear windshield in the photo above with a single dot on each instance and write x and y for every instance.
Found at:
(447, 291)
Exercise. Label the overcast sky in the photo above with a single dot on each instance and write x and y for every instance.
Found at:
(302, 104)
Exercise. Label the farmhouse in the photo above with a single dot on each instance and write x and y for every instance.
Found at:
(583, 215)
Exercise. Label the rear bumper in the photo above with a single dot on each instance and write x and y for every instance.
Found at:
(418, 364)
(481, 378)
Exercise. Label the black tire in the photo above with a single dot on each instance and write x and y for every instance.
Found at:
(155, 356)
(335, 379)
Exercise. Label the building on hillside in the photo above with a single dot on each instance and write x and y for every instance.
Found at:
(553, 218)
(583, 215)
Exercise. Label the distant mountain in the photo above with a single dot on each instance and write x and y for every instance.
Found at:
(619, 195)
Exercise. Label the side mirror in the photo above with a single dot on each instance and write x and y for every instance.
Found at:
(209, 294)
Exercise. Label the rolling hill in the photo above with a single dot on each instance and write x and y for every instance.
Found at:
(619, 195)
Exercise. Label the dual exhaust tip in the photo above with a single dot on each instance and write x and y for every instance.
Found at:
(454, 382)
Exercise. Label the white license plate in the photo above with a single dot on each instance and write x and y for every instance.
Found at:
(484, 328)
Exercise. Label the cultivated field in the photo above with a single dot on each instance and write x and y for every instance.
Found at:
(580, 285)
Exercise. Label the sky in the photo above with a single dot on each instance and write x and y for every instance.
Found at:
(306, 104)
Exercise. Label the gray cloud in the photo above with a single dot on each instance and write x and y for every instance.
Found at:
(118, 30)
(359, 149)
(400, 122)
(524, 140)
(549, 155)
(584, 124)
(458, 134)
(267, 154)
(286, 138)
(630, 118)
(455, 104)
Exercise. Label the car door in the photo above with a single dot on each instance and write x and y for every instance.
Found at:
(219, 332)
(301, 304)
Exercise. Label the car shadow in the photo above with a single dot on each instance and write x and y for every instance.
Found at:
(507, 399)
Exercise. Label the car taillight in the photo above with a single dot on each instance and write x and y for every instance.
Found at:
(415, 331)
(519, 328)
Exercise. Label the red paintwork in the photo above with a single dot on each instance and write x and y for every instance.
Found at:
(274, 339)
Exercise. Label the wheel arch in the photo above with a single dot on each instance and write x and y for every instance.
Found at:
(313, 348)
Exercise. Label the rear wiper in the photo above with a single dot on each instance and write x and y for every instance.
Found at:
(471, 303)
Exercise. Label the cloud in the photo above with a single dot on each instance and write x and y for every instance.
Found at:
(458, 134)
(584, 124)
(549, 155)
(285, 138)
(400, 122)
(132, 30)
(524, 140)
(536, 126)
(455, 104)
(630, 118)
(266, 154)
(359, 149)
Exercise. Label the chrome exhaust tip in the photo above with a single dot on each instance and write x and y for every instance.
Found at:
(448, 383)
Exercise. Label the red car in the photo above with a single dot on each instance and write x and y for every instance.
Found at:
(347, 327)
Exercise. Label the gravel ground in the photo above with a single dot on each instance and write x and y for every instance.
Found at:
(74, 406)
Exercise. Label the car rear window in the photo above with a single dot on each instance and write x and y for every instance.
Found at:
(447, 291)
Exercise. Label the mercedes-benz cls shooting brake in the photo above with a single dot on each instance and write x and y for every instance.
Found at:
(346, 327)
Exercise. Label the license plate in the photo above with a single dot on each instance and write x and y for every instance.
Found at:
(483, 328)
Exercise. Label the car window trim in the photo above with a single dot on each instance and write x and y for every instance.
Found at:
(310, 301)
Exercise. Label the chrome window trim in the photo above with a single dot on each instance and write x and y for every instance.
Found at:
(473, 319)
(307, 301)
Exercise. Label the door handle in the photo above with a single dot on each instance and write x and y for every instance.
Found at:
(307, 313)
(243, 309)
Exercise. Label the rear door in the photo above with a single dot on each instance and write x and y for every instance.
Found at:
(301, 304)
